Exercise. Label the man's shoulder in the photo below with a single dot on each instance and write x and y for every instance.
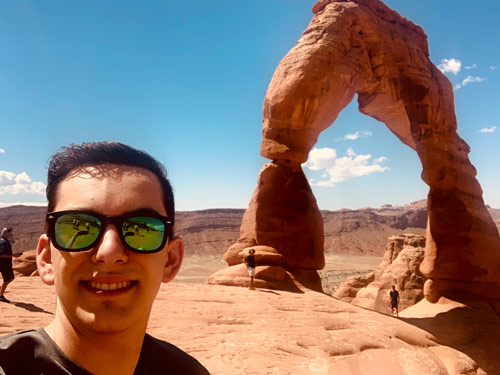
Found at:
(159, 354)
(4, 244)
(33, 352)
(27, 337)
(16, 348)
(5, 248)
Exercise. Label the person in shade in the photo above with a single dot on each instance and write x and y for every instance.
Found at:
(250, 262)
(394, 297)
(6, 261)
(106, 276)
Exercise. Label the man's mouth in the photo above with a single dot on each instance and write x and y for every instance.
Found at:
(100, 286)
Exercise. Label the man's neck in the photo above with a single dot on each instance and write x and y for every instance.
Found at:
(98, 353)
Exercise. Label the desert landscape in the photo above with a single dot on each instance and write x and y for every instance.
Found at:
(234, 330)
(322, 279)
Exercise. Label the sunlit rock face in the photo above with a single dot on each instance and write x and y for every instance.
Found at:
(283, 214)
(282, 218)
(363, 47)
(400, 267)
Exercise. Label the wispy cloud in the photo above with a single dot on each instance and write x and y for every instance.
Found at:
(354, 136)
(469, 79)
(489, 130)
(493, 67)
(473, 66)
(337, 170)
(450, 66)
(12, 184)
(2, 151)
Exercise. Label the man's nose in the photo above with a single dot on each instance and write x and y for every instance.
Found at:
(110, 250)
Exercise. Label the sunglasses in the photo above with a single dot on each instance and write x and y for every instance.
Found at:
(141, 231)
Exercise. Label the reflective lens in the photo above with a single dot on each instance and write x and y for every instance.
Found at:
(76, 231)
(79, 231)
(143, 233)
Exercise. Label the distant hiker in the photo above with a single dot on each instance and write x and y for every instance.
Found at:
(250, 262)
(6, 261)
(394, 295)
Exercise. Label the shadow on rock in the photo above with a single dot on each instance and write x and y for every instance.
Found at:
(31, 307)
(471, 327)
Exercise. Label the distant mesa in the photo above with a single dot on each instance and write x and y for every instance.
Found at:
(363, 47)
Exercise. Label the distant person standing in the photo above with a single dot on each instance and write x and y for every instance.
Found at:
(394, 295)
(250, 262)
(6, 261)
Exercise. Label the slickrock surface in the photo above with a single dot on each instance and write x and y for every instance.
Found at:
(363, 47)
(400, 267)
(242, 332)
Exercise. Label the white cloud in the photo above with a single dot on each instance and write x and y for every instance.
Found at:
(473, 66)
(11, 183)
(2, 151)
(488, 130)
(469, 79)
(450, 65)
(353, 137)
(321, 158)
(341, 169)
(493, 67)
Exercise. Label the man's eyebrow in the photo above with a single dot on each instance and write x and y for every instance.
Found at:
(136, 209)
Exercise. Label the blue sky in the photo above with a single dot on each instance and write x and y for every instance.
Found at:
(185, 81)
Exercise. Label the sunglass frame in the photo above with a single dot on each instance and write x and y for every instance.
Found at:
(117, 221)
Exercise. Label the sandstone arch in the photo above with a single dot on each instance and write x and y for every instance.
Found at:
(363, 47)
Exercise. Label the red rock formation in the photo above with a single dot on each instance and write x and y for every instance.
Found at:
(284, 218)
(363, 47)
(25, 265)
(400, 267)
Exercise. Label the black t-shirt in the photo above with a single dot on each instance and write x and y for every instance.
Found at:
(394, 296)
(5, 249)
(250, 261)
(34, 353)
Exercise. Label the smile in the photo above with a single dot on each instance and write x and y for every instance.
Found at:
(112, 286)
(109, 286)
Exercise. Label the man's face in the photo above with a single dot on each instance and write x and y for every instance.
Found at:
(109, 288)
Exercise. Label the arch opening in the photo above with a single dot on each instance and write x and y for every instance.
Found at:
(363, 47)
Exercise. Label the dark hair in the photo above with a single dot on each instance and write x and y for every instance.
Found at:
(90, 154)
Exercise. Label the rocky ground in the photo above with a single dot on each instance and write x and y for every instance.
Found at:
(237, 331)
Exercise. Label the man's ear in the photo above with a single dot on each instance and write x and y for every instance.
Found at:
(44, 260)
(174, 261)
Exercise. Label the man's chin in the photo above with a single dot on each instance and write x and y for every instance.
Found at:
(105, 322)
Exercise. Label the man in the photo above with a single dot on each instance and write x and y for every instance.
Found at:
(250, 262)
(106, 277)
(394, 296)
(6, 261)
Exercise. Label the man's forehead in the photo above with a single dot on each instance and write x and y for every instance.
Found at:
(110, 187)
(106, 171)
